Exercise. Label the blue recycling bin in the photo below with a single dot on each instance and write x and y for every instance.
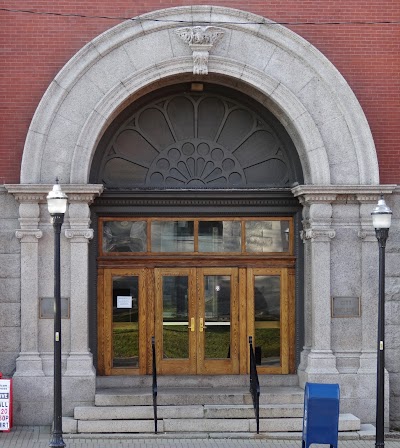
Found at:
(321, 414)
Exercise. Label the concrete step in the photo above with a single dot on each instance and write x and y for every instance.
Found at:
(119, 382)
(199, 405)
(247, 411)
(347, 423)
(140, 396)
(192, 412)
(281, 395)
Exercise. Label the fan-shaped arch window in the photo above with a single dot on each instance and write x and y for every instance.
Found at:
(189, 140)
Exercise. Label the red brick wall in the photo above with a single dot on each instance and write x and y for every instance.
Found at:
(33, 48)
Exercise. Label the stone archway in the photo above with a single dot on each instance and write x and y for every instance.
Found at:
(272, 64)
(275, 67)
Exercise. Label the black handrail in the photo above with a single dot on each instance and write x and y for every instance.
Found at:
(153, 347)
(254, 384)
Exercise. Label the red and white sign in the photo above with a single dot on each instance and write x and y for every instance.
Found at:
(5, 404)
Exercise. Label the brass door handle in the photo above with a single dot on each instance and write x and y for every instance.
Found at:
(191, 326)
(202, 327)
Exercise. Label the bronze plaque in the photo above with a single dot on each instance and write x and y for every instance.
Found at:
(346, 307)
(46, 308)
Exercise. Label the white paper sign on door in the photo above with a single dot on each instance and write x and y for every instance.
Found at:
(124, 301)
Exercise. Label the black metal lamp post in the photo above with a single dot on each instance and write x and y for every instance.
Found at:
(381, 220)
(57, 205)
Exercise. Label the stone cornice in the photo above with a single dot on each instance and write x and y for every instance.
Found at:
(38, 192)
(311, 194)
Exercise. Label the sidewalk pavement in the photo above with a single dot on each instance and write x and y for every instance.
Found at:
(39, 437)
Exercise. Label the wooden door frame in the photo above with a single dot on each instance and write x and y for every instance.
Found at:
(174, 366)
(287, 312)
(149, 317)
(216, 366)
(105, 321)
(196, 363)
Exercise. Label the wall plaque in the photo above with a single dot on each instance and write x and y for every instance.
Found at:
(46, 308)
(346, 307)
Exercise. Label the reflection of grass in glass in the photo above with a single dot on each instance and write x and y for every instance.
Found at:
(217, 342)
(176, 342)
(125, 316)
(126, 341)
(269, 341)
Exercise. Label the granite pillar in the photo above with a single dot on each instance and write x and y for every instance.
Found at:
(29, 362)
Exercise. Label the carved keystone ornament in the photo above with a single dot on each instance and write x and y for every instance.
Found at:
(200, 40)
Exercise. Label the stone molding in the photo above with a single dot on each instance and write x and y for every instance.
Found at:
(201, 40)
(37, 193)
(312, 194)
(28, 197)
(173, 202)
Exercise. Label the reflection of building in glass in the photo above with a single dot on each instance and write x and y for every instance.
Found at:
(124, 236)
(267, 236)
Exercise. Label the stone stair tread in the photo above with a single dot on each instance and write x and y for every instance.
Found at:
(136, 412)
(265, 390)
(233, 411)
(200, 409)
(195, 381)
(197, 395)
(347, 423)
(262, 406)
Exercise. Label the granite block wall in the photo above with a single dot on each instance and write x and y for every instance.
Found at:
(392, 310)
(10, 315)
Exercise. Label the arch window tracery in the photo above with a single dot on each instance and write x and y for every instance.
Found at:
(197, 141)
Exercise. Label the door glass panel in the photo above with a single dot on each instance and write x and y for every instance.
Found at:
(124, 236)
(217, 312)
(220, 236)
(172, 236)
(125, 321)
(267, 236)
(267, 315)
(175, 317)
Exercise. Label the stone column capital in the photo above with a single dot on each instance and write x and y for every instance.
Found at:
(79, 235)
(29, 236)
(318, 235)
(367, 235)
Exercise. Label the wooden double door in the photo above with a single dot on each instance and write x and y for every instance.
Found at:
(201, 319)
(197, 320)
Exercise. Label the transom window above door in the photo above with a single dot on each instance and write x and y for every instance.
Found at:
(196, 235)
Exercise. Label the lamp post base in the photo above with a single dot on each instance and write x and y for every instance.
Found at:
(57, 441)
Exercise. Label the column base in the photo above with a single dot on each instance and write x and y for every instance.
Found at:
(367, 363)
(29, 364)
(321, 368)
(80, 364)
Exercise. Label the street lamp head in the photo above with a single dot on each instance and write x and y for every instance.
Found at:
(381, 215)
(57, 200)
